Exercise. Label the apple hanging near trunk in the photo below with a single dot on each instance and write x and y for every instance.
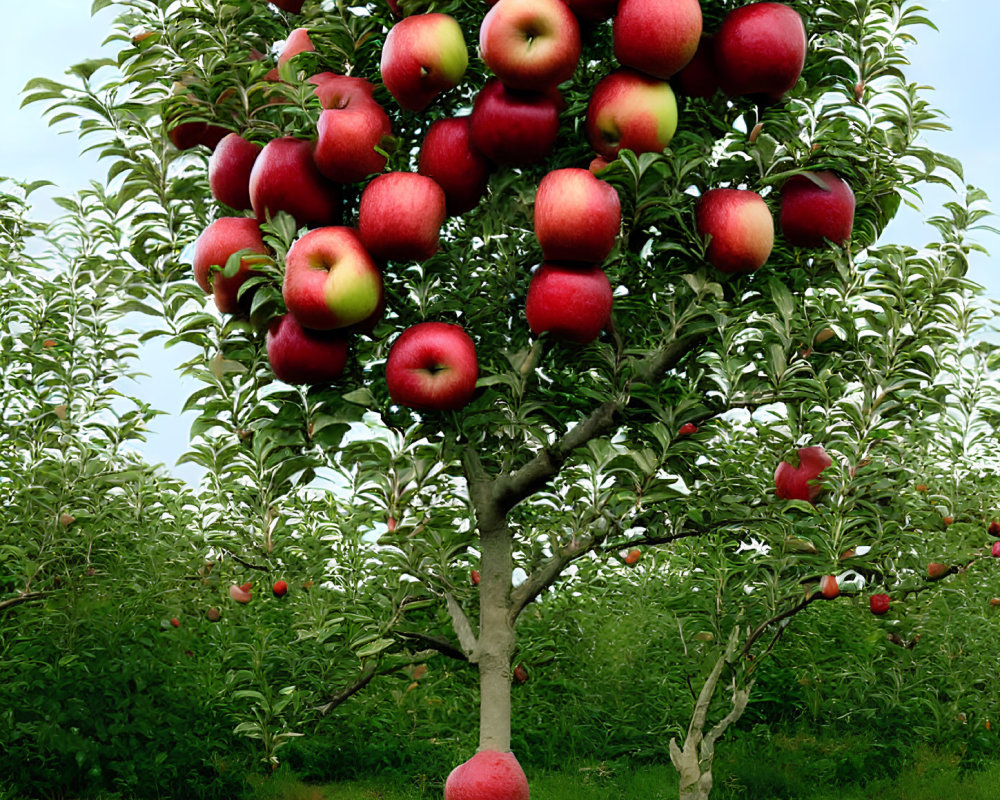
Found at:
(488, 775)
(432, 366)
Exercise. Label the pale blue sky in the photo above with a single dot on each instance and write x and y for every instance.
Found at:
(961, 62)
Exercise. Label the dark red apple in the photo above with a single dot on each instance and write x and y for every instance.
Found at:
(280, 588)
(879, 604)
(220, 240)
(739, 226)
(285, 178)
(448, 156)
(816, 206)
(802, 482)
(657, 38)
(699, 78)
(186, 135)
(513, 127)
(828, 587)
(593, 10)
(760, 49)
(687, 429)
(572, 303)
(432, 366)
(400, 216)
(577, 216)
(291, 6)
(300, 356)
(346, 141)
(229, 169)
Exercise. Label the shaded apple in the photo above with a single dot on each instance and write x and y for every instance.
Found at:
(994, 528)
(530, 44)
(347, 139)
(229, 169)
(569, 302)
(760, 50)
(816, 207)
(400, 216)
(217, 243)
(937, 570)
(449, 157)
(687, 429)
(657, 38)
(593, 10)
(699, 78)
(577, 216)
(186, 135)
(475, 577)
(802, 482)
(828, 587)
(633, 556)
(739, 226)
(285, 178)
(488, 775)
(239, 594)
(304, 357)
(298, 41)
(631, 111)
(432, 366)
(423, 55)
(514, 127)
(280, 588)
(520, 675)
(879, 604)
(291, 6)
(996, 549)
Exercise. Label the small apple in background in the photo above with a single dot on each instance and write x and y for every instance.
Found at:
(240, 594)
(514, 127)
(879, 604)
(520, 675)
(657, 38)
(346, 141)
(391, 524)
(633, 556)
(331, 280)
(400, 216)
(530, 44)
(305, 357)
(828, 587)
(994, 528)
(816, 206)
(577, 216)
(219, 241)
(298, 41)
(432, 366)
(598, 164)
(229, 169)
(936, 569)
(848, 553)
(475, 577)
(186, 135)
(448, 156)
(213, 614)
(423, 55)
(285, 178)
(341, 91)
(995, 601)
(291, 6)
(687, 429)
(175, 622)
(631, 111)
(760, 50)
(996, 549)
(570, 302)
(948, 520)
(699, 78)
(280, 588)
(49, 343)
(793, 483)
(921, 487)
(488, 775)
(740, 226)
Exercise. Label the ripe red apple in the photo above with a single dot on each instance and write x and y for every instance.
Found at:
(229, 169)
(996, 549)
(186, 135)
(530, 44)
(655, 37)
(175, 622)
(330, 279)
(239, 594)
(298, 41)
(687, 429)
(280, 588)
(475, 577)
(400, 216)
(699, 78)
(291, 6)
(793, 483)
(220, 240)
(520, 675)
(213, 614)
(948, 520)
(577, 216)
(346, 141)
(514, 127)
(935, 569)
(740, 228)
(341, 91)
(879, 604)
(816, 206)
(432, 366)
(633, 556)
(423, 55)
(448, 156)
(631, 111)
(488, 775)
(760, 50)
(828, 587)
(570, 302)
(994, 528)
(301, 356)
(285, 178)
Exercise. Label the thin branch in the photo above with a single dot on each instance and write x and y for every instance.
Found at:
(21, 598)
(463, 629)
(542, 578)
(245, 563)
(369, 671)
(789, 612)
(436, 643)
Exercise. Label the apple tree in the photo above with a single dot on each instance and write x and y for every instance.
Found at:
(521, 421)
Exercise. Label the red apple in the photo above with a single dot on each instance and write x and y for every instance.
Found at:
(475, 577)
(760, 50)
(239, 594)
(341, 91)
(572, 303)
(301, 356)
(447, 156)
(330, 279)
(879, 604)
(631, 111)
(347, 138)
(994, 528)
(699, 78)
(935, 569)
(687, 429)
(488, 775)
(291, 6)
(285, 178)
(996, 549)
(816, 206)
(530, 44)
(633, 556)
(186, 135)
(802, 482)
(423, 55)
(175, 622)
(520, 675)
(514, 127)
(280, 588)
(298, 41)
(213, 614)
(432, 367)
(219, 241)
(400, 216)
(577, 216)
(828, 587)
(655, 37)
(229, 169)
(740, 228)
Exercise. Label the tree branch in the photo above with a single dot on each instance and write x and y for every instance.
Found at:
(24, 597)
(436, 643)
(789, 612)
(463, 629)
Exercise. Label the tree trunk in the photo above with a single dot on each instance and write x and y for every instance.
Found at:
(496, 637)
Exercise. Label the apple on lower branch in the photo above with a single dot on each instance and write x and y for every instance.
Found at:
(221, 240)
(400, 216)
(739, 226)
(300, 356)
(432, 366)
(488, 775)
(449, 157)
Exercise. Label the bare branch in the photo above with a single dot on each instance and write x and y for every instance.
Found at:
(463, 629)
(24, 597)
(369, 671)
(436, 643)
(543, 578)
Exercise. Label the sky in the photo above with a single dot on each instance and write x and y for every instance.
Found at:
(961, 61)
